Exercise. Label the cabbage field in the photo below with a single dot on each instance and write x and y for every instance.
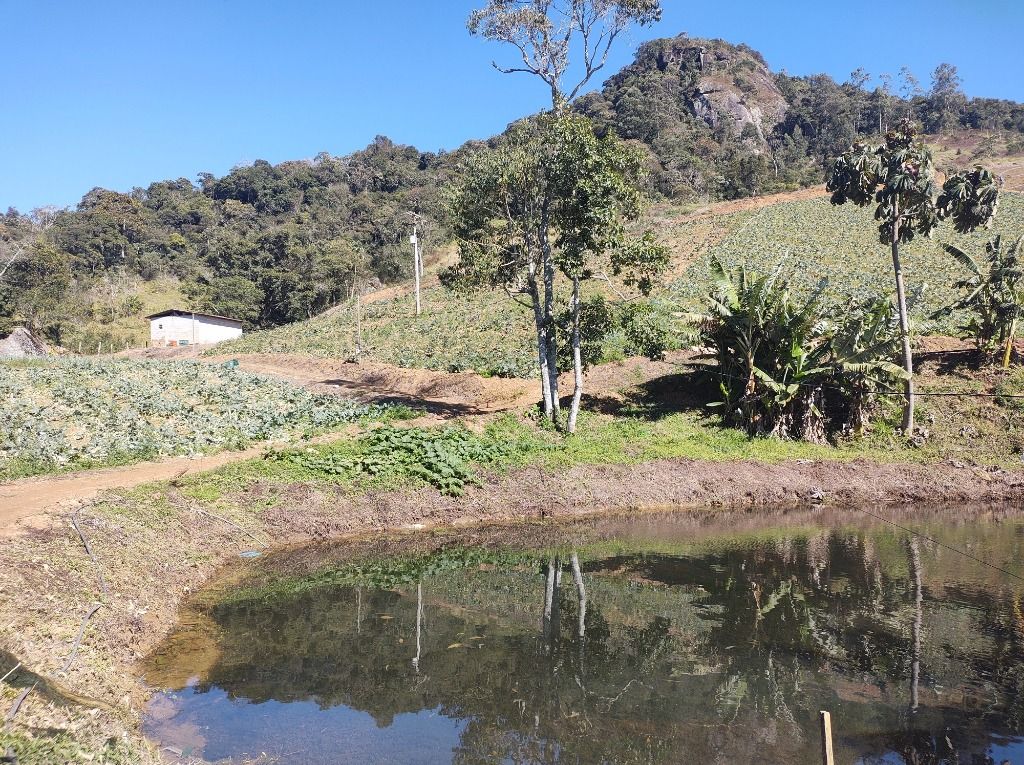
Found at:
(58, 414)
(813, 240)
(477, 331)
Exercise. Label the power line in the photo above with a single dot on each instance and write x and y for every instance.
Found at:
(942, 544)
(889, 392)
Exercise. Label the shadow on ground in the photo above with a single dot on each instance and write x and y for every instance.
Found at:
(368, 395)
(689, 390)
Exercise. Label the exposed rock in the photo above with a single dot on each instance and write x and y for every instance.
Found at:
(21, 344)
(715, 81)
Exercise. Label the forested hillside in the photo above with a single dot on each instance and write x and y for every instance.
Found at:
(273, 244)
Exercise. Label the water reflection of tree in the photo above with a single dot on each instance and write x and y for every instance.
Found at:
(769, 634)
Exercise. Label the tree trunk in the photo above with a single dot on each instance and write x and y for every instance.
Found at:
(915, 651)
(417, 271)
(901, 300)
(549, 320)
(419, 626)
(1008, 354)
(577, 358)
(581, 596)
(549, 599)
(542, 347)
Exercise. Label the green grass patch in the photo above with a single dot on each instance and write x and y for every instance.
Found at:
(61, 747)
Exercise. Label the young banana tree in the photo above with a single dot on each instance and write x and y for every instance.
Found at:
(861, 347)
(899, 178)
(793, 368)
(769, 363)
(993, 294)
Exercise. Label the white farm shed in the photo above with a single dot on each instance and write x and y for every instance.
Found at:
(169, 329)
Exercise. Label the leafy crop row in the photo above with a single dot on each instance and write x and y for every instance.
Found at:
(64, 413)
(481, 332)
(487, 333)
(814, 240)
(442, 457)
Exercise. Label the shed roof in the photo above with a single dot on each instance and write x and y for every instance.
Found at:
(198, 314)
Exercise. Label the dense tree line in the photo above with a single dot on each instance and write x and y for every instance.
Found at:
(269, 244)
(273, 244)
(703, 145)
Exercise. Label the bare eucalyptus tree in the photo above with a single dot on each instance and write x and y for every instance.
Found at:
(11, 251)
(544, 31)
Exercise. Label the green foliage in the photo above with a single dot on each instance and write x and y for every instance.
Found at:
(560, 198)
(970, 198)
(816, 240)
(275, 244)
(384, 573)
(898, 176)
(441, 457)
(68, 413)
(993, 292)
(861, 341)
(475, 330)
(785, 368)
(597, 319)
(63, 747)
(458, 331)
(649, 329)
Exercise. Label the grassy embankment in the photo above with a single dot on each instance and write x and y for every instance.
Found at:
(662, 418)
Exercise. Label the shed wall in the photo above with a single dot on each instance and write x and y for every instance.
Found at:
(204, 330)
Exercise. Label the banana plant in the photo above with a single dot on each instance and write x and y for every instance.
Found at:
(797, 369)
(993, 295)
(861, 347)
(769, 364)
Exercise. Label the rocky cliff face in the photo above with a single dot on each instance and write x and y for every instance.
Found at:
(724, 85)
(705, 111)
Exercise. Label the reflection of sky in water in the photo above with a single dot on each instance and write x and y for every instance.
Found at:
(302, 732)
(1010, 751)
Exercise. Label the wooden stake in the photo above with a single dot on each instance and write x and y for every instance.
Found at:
(827, 756)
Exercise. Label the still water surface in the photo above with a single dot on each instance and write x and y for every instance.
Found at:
(674, 640)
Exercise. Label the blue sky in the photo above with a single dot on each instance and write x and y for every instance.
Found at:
(119, 93)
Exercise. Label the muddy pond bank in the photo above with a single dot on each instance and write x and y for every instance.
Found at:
(155, 547)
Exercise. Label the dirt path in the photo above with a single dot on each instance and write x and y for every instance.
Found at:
(443, 394)
(25, 504)
(28, 500)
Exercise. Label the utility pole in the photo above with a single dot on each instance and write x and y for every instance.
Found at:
(417, 260)
(355, 292)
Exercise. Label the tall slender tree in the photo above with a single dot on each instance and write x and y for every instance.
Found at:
(899, 178)
(543, 33)
(553, 196)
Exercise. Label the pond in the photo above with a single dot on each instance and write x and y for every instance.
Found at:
(667, 638)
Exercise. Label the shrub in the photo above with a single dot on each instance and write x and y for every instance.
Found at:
(441, 457)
